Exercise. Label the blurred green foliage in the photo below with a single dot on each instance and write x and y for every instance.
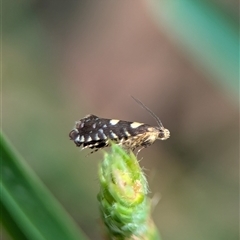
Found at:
(29, 211)
(205, 34)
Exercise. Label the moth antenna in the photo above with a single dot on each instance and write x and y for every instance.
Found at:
(150, 111)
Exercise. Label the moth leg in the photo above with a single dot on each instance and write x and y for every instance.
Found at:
(139, 150)
(98, 145)
(92, 152)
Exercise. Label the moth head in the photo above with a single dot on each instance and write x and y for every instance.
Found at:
(163, 133)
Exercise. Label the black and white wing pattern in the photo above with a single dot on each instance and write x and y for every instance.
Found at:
(95, 132)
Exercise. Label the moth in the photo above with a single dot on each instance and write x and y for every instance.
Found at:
(96, 133)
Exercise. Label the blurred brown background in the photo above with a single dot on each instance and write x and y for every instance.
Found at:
(65, 59)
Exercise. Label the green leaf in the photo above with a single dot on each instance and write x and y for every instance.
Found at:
(29, 211)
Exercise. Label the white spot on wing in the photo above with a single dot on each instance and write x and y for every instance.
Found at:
(114, 121)
(135, 124)
(82, 139)
(94, 125)
(104, 125)
(104, 136)
(96, 137)
(101, 131)
(127, 133)
(113, 135)
(89, 139)
(82, 125)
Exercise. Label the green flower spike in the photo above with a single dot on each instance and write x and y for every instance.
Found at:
(124, 205)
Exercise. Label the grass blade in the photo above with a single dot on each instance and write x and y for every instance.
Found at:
(29, 211)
